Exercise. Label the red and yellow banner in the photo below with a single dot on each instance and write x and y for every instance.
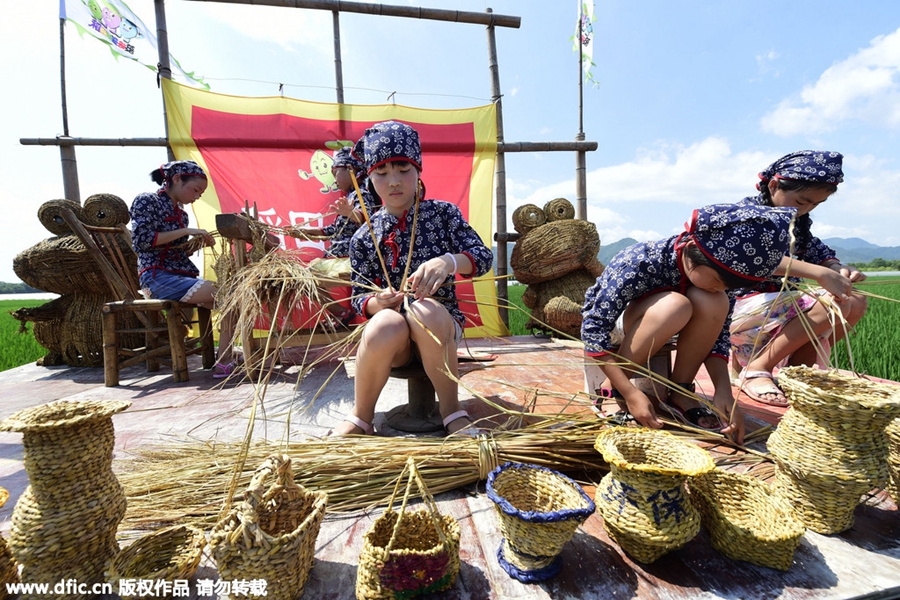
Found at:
(276, 153)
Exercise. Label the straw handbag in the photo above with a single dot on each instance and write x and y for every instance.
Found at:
(165, 555)
(830, 447)
(406, 554)
(746, 520)
(643, 499)
(539, 511)
(9, 570)
(272, 534)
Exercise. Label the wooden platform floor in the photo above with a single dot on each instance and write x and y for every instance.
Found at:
(541, 373)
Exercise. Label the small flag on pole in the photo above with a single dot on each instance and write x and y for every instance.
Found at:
(113, 23)
(584, 37)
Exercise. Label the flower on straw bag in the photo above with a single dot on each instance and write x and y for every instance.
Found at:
(539, 511)
(170, 554)
(271, 536)
(406, 554)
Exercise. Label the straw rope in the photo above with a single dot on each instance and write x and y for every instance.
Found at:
(746, 519)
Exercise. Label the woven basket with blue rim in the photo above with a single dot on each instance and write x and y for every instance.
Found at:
(539, 511)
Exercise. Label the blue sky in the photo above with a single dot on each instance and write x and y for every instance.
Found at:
(693, 98)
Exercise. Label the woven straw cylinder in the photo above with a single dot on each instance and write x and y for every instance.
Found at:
(9, 570)
(50, 215)
(165, 555)
(64, 524)
(408, 553)
(105, 210)
(893, 437)
(272, 534)
(643, 499)
(61, 265)
(527, 217)
(539, 511)
(559, 209)
(830, 447)
(746, 519)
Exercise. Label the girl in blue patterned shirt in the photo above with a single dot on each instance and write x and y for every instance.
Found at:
(159, 228)
(430, 328)
(767, 329)
(652, 291)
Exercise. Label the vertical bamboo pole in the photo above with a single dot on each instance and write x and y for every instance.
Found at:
(164, 69)
(500, 177)
(580, 156)
(338, 68)
(66, 151)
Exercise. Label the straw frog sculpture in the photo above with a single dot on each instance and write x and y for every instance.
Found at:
(69, 327)
(556, 257)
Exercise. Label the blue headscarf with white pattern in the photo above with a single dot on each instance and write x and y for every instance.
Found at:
(747, 240)
(386, 142)
(819, 166)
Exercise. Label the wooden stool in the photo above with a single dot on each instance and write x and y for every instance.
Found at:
(421, 414)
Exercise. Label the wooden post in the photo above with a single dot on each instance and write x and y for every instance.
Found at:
(500, 175)
(110, 350)
(176, 343)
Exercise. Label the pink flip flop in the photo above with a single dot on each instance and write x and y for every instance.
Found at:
(764, 397)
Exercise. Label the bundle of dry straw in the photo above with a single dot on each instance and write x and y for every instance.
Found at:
(189, 482)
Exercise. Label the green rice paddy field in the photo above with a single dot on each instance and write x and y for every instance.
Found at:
(873, 346)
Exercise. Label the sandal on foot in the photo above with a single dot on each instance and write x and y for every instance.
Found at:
(367, 428)
(221, 371)
(769, 390)
(470, 431)
(691, 415)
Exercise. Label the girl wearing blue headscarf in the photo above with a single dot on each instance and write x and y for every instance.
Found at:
(652, 291)
(765, 330)
(159, 228)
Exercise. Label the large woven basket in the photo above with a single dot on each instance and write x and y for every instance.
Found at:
(408, 553)
(643, 499)
(746, 519)
(9, 570)
(830, 447)
(893, 437)
(165, 555)
(539, 511)
(272, 534)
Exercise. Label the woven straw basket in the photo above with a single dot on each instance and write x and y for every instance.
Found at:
(272, 534)
(539, 511)
(64, 524)
(643, 499)
(893, 437)
(165, 555)
(746, 520)
(830, 448)
(555, 249)
(407, 554)
(9, 570)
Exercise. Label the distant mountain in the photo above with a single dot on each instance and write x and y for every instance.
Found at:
(855, 250)
(607, 251)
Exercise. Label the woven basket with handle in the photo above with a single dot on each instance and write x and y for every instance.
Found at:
(408, 553)
(272, 534)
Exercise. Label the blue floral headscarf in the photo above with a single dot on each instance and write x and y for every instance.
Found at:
(180, 167)
(747, 240)
(820, 166)
(343, 157)
(386, 142)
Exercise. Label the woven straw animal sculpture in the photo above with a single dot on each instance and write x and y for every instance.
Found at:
(70, 327)
(556, 257)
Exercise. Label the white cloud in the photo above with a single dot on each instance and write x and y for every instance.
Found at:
(863, 87)
(291, 28)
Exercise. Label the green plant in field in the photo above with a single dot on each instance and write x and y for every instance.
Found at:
(17, 348)
(876, 336)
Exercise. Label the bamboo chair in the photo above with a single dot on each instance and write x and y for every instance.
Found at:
(161, 322)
